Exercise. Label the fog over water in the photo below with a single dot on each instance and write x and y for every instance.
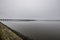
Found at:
(33, 9)
(44, 30)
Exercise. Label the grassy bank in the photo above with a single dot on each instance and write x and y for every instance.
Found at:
(7, 33)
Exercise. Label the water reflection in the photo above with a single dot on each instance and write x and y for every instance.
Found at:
(44, 30)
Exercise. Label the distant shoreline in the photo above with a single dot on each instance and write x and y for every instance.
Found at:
(17, 20)
(25, 20)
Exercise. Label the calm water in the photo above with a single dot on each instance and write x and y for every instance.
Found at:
(38, 30)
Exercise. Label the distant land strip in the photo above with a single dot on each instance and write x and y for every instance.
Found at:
(17, 20)
(25, 20)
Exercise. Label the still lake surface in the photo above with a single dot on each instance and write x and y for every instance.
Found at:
(38, 30)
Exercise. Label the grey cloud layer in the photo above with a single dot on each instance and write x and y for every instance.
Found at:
(38, 9)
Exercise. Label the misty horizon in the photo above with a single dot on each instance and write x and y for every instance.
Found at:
(25, 20)
(30, 9)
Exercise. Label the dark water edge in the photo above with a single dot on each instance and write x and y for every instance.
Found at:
(18, 33)
(38, 30)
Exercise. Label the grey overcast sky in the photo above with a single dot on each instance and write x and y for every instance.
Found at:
(30, 9)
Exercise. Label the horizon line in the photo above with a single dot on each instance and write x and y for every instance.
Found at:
(25, 20)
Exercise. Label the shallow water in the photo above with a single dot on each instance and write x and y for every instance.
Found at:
(38, 30)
